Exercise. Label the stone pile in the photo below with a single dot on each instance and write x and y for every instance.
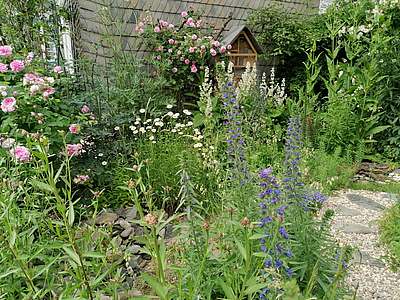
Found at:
(129, 254)
(380, 173)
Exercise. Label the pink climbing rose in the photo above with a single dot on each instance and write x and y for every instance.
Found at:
(3, 68)
(8, 104)
(20, 153)
(75, 128)
(17, 65)
(5, 50)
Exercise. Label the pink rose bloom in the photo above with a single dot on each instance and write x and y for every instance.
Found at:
(171, 41)
(141, 31)
(229, 47)
(174, 70)
(222, 49)
(20, 153)
(85, 109)
(184, 14)
(74, 150)
(161, 48)
(193, 69)
(165, 24)
(8, 104)
(33, 113)
(187, 61)
(201, 67)
(29, 78)
(5, 50)
(75, 128)
(160, 22)
(57, 69)
(46, 94)
(190, 20)
(194, 37)
(158, 57)
(170, 50)
(176, 42)
(15, 93)
(213, 52)
(156, 29)
(170, 26)
(40, 122)
(182, 58)
(3, 68)
(192, 24)
(140, 24)
(40, 115)
(17, 65)
(34, 88)
(92, 117)
(203, 48)
(191, 49)
(179, 52)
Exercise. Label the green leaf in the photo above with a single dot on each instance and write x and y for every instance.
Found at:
(241, 249)
(376, 130)
(71, 253)
(93, 254)
(161, 290)
(5, 274)
(71, 214)
(227, 289)
(255, 288)
(41, 185)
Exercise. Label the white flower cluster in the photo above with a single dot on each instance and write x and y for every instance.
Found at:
(272, 91)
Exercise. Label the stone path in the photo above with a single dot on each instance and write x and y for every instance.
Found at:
(354, 224)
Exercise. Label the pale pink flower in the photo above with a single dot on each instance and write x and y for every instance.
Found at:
(161, 48)
(192, 24)
(8, 104)
(40, 115)
(20, 153)
(156, 29)
(40, 122)
(179, 52)
(141, 31)
(170, 50)
(165, 24)
(74, 150)
(75, 128)
(34, 88)
(92, 117)
(171, 41)
(182, 58)
(4, 94)
(7, 143)
(193, 69)
(140, 24)
(85, 109)
(80, 179)
(33, 113)
(158, 57)
(46, 94)
(203, 48)
(187, 61)
(191, 49)
(174, 70)
(170, 26)
(57, 69)
(17, 65)
(229, 47)
(213, 52)
(29, 78)
(222, 49)
(5, 50)
(184, 14)
(160, 22)
(3, 68)
(194, 37)
(190, 20)
(15, 93)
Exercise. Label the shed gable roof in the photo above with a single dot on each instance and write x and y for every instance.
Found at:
(234, 33)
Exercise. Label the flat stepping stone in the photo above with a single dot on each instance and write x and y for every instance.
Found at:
(392, 197)
(365, 202)
(345, 211)
(361, 257)
(353, 228)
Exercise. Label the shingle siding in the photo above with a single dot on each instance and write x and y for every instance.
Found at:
(92, 27)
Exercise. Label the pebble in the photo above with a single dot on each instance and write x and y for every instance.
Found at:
(368, 272)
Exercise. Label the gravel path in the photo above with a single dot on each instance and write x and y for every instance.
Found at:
(354, 224)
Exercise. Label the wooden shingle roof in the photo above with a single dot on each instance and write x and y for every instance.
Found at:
(130, 12)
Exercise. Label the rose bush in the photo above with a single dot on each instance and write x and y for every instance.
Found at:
(181, 51)
(30, 102)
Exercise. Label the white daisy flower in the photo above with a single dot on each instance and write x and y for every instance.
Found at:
(156, 119)
(138, 119)
(190, 123)
(173, 130)
(169, 106)
(154, 130)
(148, 127)
(170, 114)
(186, 112)
(116, 128)
(100, 154)
(142, 111)
(148, 120)
(104, 163)
(142, 130)
(175, 116)
(132, 127)
(135, 131)
(151, 138)
(137, 123)
(154, 142)
(212, 147)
